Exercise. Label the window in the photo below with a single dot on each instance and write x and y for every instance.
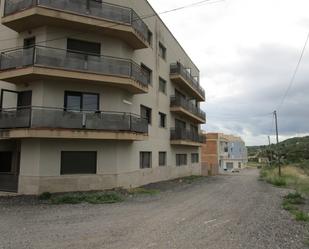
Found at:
(29, 42)
(6, 162)
(194, 158)
(145, 160)
(162, 158)
(162, 117)
(78, 162)
(181, 159)
(162, 85)
(78, 101)
(83, 46)
(149, 37)
(146, 113)
(148, 73)
(162, 51)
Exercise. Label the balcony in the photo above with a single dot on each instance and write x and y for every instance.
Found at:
(187, 110)
(186, 137)
(41, 63)
(180, 76)
(45, 122)
(82, 15)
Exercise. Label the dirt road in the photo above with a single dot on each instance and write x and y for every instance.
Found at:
(224, 212)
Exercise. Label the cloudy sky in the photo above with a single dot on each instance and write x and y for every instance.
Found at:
(247, 51)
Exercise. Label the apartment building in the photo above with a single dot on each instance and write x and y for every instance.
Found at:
(221, 153)
(94, 96)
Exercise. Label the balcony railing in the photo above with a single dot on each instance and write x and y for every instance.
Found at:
(57, 118)
(72, 60)
(178, 68)
(187, 135)
(94, 8)
(177, 101)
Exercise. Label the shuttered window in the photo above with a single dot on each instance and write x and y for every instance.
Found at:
(78, 162)
(162, 158)
(181, 159)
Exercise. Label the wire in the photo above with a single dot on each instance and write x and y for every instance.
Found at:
(114, 25)
(294, 73)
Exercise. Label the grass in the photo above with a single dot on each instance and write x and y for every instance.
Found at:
(92, 198)
(301, 216)
(191, 179)
(291, 203)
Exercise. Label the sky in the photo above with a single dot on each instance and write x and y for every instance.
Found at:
(247, 51)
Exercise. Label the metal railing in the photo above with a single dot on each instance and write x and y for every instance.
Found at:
(178, 68)
(72, 60)
(50, 117)
(188, 135)
(94, 8)
(177, 101)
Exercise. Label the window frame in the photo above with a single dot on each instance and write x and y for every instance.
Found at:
(161, 80)
(164, 51)
(81, 94)
(149, 119)
(164, 116)
(195, 158)
(179, 162)
(147, 69)
(165, 158)
(141, 161)
(94, 168)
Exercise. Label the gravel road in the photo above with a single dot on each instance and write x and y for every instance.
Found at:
(224, 212)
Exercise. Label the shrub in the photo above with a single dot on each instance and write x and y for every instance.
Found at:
(45, 196)
(277, 181)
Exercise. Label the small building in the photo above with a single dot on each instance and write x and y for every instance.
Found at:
(221, 153)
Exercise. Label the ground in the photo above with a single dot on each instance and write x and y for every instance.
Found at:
(223, 212)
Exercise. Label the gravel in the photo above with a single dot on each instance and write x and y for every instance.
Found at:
(230, 211)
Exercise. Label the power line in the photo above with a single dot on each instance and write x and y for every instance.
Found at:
(115, 25)
(294, 73)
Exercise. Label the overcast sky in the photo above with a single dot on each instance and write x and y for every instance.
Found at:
(247, 51)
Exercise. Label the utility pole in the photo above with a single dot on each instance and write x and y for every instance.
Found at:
(269, 141)
(277, 136)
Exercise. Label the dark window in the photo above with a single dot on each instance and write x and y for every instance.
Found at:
(162, 117)
(146, 113)
(83, 46)
(29, 42)
(148, 73)
(145, 160)
(162, 85)
(78, 162)
(150, 37)
(181, 159)
(24, 99)
(5, 162)
(78, 101)
(162, 158)
(162, 51)
(194, 158)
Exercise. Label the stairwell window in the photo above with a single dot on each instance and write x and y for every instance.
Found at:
(181, 159)
(162, 158)
(162, 51)
(145, 159)
(162, 85)
(162, 118)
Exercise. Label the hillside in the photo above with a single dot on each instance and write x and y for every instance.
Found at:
(294, 149)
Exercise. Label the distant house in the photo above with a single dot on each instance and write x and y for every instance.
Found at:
(221, 153)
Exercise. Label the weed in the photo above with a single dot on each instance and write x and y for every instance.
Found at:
(301, 216)
(277, 181)
(93, 198)
(294, 198)
(191, 179)
(45, 196)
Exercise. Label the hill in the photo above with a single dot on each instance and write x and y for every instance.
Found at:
(294, 149)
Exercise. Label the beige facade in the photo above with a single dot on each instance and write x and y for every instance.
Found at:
(120, 95)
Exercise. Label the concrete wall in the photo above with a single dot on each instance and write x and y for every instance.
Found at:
(118, 161)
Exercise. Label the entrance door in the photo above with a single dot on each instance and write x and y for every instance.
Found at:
(9, 169)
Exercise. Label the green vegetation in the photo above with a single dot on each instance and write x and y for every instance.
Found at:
(292, 202)
(301, 216)
(92, 198)
(192, 179)
(45, 196)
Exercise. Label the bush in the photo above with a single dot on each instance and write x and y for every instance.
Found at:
(277, 181)
(294, 198)
(45, 196)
